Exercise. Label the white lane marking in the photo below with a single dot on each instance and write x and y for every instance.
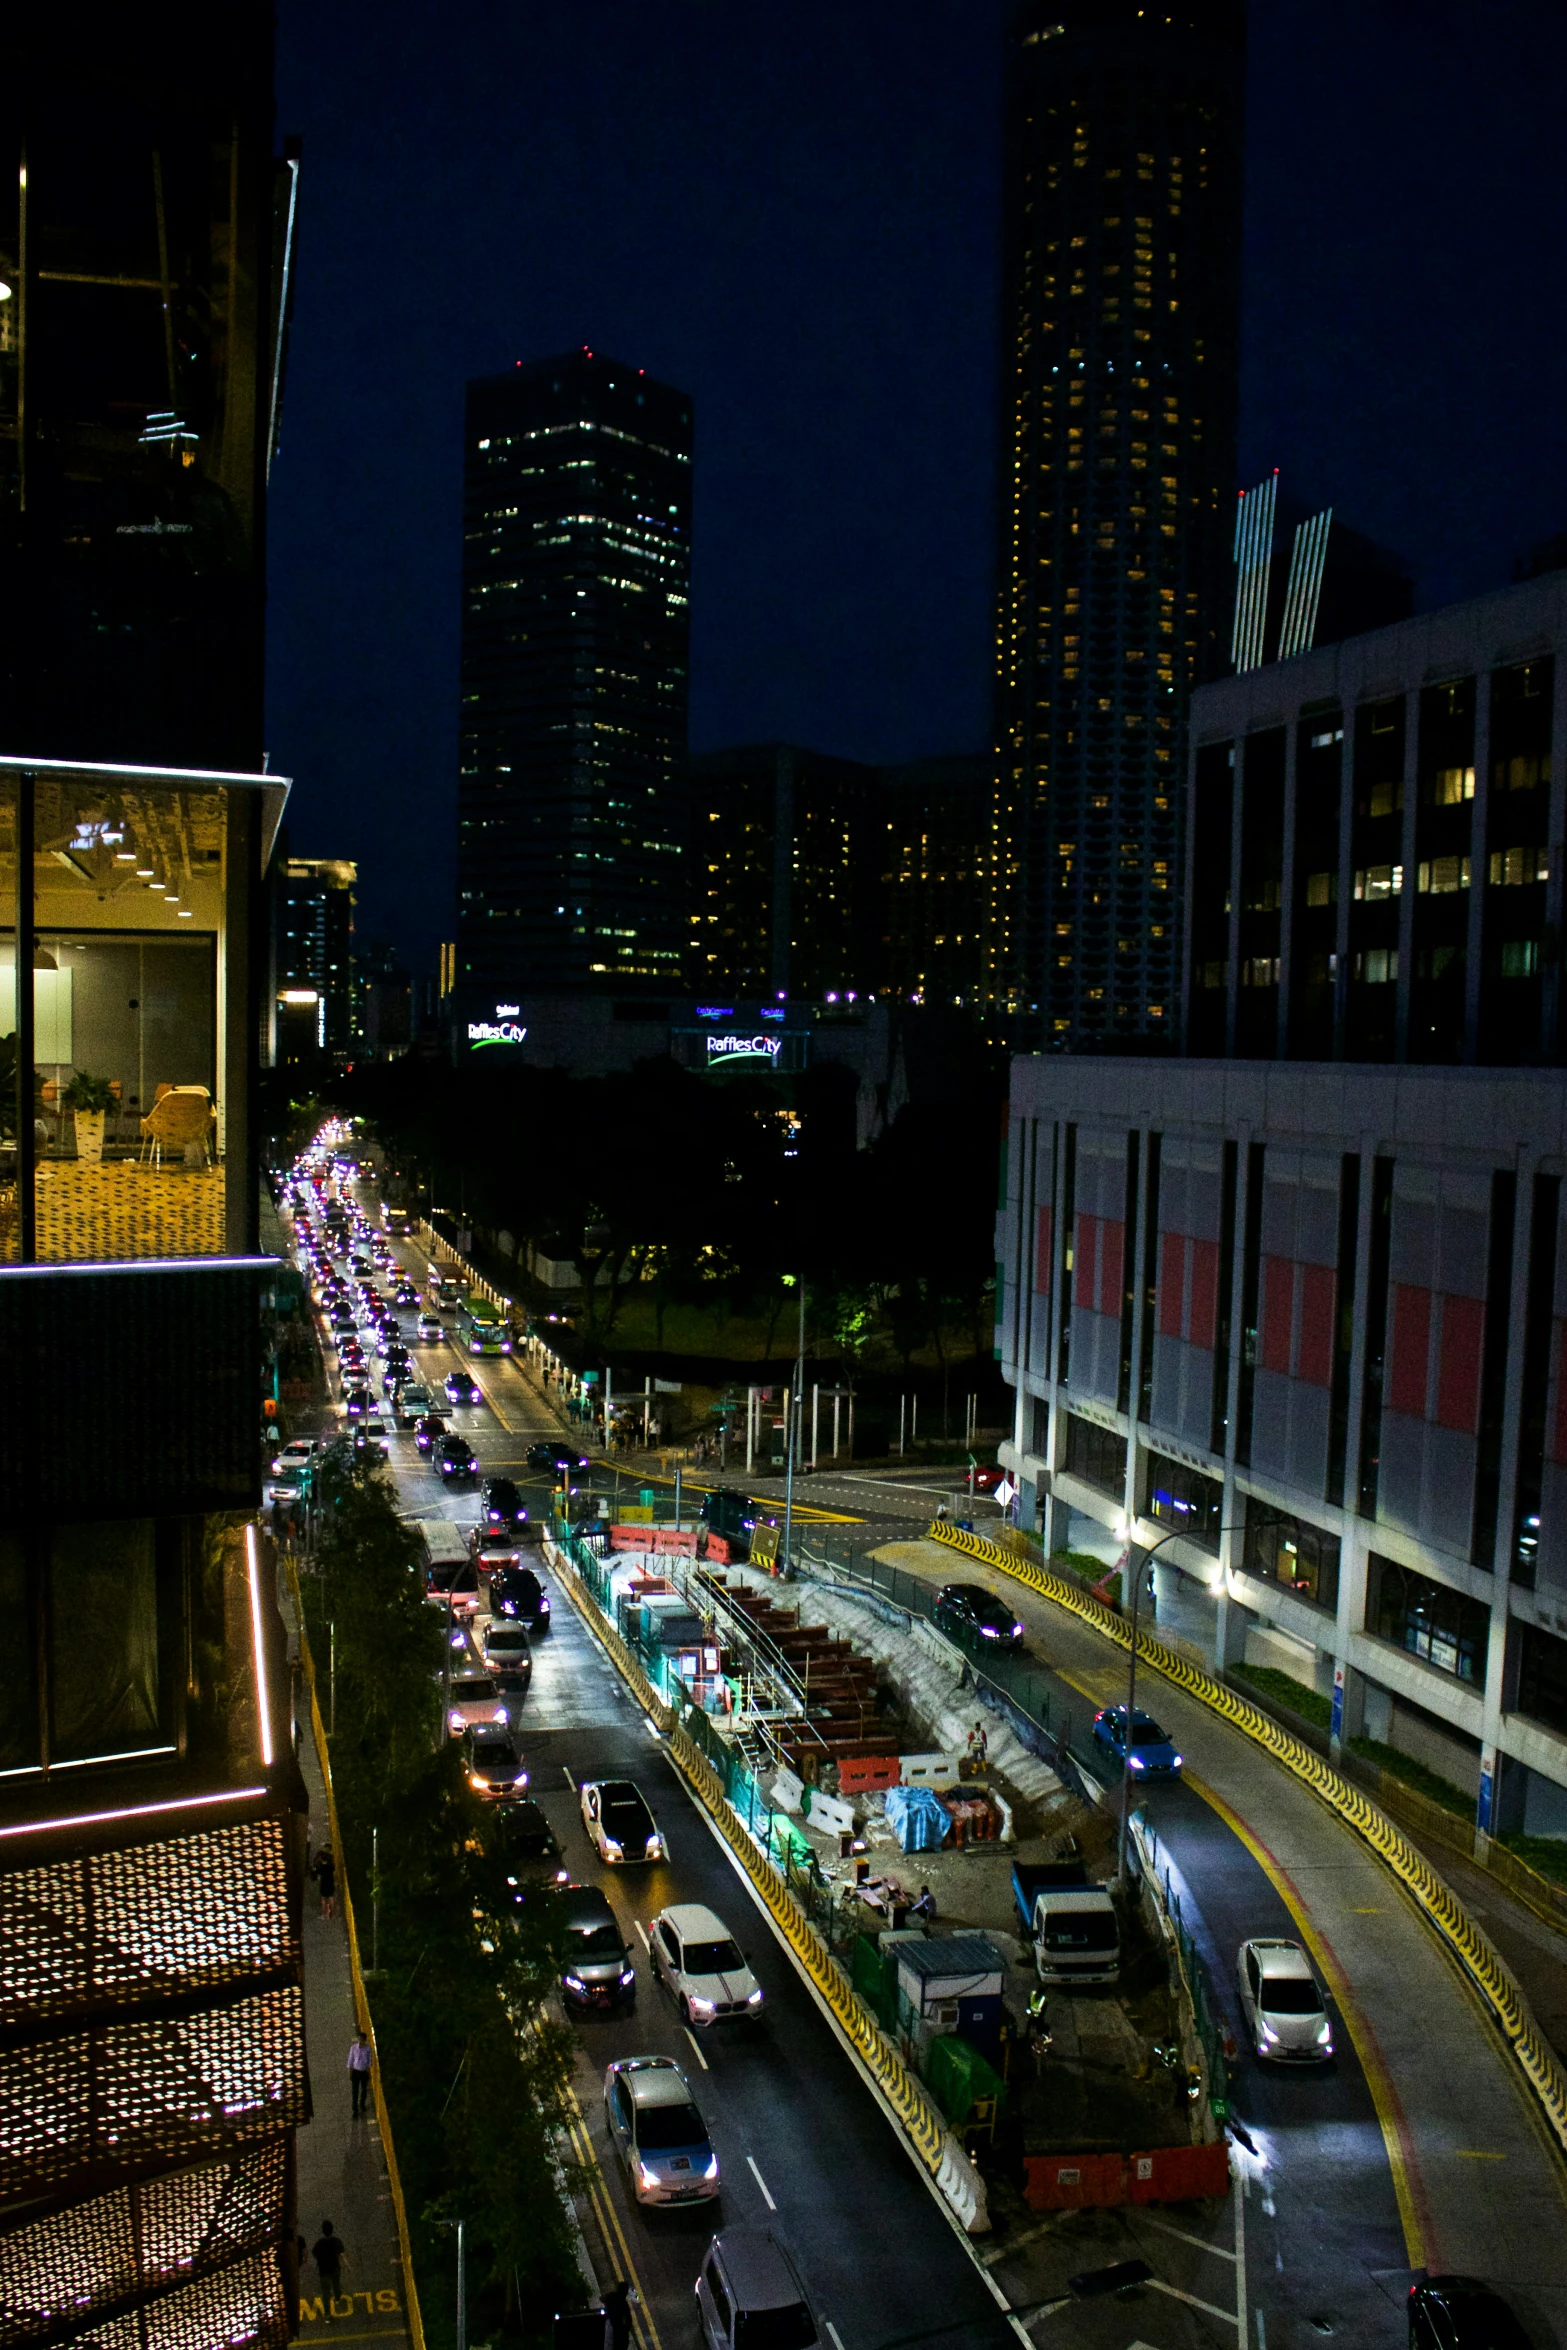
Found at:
(570, 1781)
(1201, 2242)
(702, 2061)
(761, 2182)
(642, 1930)
(1209, 2308)
(1242, 2327)
(837, 2338)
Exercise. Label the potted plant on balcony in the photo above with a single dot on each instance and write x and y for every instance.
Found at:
(90, 1098)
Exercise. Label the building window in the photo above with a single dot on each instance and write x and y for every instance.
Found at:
(95, 1677)
(1434, 1623)
(1542, 1677)
(1041, 1428)
(1282, 1549)
(1096, 1454)
(1185, 1499)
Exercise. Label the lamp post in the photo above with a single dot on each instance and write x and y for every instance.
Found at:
(795, 1421)
(1144, 1558)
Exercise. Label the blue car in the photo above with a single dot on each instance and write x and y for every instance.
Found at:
(1152, 1755)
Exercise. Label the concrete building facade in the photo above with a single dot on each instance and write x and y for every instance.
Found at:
(1305, 1327)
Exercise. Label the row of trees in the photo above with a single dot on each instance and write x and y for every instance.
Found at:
(717, 1194)
(472, 2071)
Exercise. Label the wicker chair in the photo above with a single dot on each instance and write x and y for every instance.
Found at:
(176, 1121)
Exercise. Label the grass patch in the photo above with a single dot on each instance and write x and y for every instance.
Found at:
(1284, 1689)
(1414, 1774)
(1548, 1854)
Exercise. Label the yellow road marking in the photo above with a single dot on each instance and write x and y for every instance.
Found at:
(1384, 2096)
(609, 2221)
(1478, 2154)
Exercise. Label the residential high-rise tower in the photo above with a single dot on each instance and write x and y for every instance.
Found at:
(1121, 278)
(576, 579)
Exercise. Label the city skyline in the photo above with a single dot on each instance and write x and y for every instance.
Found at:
(844, 373)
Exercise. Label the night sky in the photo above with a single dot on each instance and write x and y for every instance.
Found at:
(791, 213)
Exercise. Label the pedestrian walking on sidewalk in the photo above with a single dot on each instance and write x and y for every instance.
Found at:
(616, 2306)
(324, 1869)
(359, 2059)
(328, 2254)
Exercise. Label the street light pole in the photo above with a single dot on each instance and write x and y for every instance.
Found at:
(796, 1425)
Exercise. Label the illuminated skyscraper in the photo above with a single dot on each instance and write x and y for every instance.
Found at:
(1121, 276)
(576, 579)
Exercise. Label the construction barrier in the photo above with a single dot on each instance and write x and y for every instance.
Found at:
(1481, 1963)
(1165, 2174)
(958, 2181)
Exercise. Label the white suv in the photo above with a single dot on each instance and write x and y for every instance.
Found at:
(697, 1958)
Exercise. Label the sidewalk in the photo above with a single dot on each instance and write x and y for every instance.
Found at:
(342, 2173)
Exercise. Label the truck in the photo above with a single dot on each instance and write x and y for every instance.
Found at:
(1070, 1922)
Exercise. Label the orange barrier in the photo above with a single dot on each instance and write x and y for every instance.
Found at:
(1165, 2174)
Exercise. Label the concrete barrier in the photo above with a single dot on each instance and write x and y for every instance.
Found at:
(943, 2156)
(1481, 1963)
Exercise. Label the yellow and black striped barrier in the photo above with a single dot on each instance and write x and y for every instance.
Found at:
(921, 2120)
(1480, 1962)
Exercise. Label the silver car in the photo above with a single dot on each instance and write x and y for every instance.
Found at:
(697, 1959)
(1286, 2011)
(657, 2131)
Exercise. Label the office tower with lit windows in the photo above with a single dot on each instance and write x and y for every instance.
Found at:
(1120, 359)
(576, 580)
(785, 856)
(313, 954)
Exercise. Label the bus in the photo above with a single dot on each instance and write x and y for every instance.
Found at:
(484, 1328)
(394, 1220)
(442, 1287)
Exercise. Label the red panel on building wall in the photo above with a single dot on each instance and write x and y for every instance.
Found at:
(1172, 1286)
(1085, 1291)
(1458, 1364)
(1205, 1292)
(1110, 1253)
(1314, 1359)
(1042, 1251)
(1278, 1312)
(1411, 1346)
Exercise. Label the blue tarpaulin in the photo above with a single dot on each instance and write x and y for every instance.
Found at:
(916, 1818)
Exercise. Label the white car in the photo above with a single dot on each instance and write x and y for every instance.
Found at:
(474, 1698)
(700, 1963)
(429, 1331)
(1286, 2011)
(298, 1453)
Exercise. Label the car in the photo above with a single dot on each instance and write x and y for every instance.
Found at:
(731, 1515)
(472, 1698)
(617, 1818)
(405, 1294)
(557, 1457)
(428, 1328)
(493, 1761)
(429, 1429)
(702, 1966)
(1286, 2012)
(411, 1401)
(1152, 1755)
(463, 1388)
(455, 1459)
(351, 1359)
(495, 1552)
(521, 1834)
(1461, 2313)
(371, 1434)
(298, 1453)
(657, 2131)
(986, 1479)
(503, 1504)
(968, 1608)
(748, 2290)
(393, 1377)
(287, 1484)
(396, 1361)
(508, 1654)
(596, 1969)
(357, 1401)
(517, 1592)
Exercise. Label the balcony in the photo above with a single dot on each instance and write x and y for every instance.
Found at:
(131, 1141)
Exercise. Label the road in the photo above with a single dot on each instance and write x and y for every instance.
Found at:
(879, 2254)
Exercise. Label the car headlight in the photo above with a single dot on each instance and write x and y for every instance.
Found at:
(1017, 1631)
(987, 1631)
(521, 1779)
(454, 1720)
(1267, 2035)
(1324, 2034)
(754, 1998)
(711, 2171)
(700, 2006)
(1176, 1761)
(648, 2177)
(1135, 1762)
(614, 1850)
(628, 1975)
(475, 1781)
(499, 1714)
(655, 1848)
(572, 1982)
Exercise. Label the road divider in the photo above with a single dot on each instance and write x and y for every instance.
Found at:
(1478, 1960)
(940, 2152)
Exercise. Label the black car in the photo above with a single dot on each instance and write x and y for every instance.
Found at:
(429, 1429)
(462, 1387)
(596, 1969)
(493, 1760)
(968, 1608)
(357, 1402)
(522, 1837)
(405, 1294)
(1461, 2313)
(503, 1504)
(517, 1593)
(556, 1457)
(455, 1458)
